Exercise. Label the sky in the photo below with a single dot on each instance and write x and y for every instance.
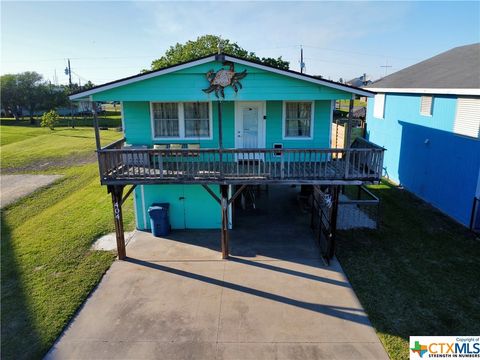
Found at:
(109, 40)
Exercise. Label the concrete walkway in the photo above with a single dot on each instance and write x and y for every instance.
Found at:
(175, 299)
(14, 187)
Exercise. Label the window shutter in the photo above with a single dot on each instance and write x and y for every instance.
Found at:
(379, 106)
(467, 119)
(426, 105)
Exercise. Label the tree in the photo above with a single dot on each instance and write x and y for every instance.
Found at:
(9, 97)
(50, 119)
(76, 88)
(31, 91)
(54, 96)
(208, 45)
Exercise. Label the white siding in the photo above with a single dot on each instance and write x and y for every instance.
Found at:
(467, 118)
(379, 106)
(426, 105)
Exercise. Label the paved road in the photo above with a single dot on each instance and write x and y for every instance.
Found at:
(14, 187)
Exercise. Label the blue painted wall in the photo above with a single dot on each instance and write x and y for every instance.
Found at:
(424, 155)
(191, 206)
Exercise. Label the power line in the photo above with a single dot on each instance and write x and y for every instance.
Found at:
(360, 53)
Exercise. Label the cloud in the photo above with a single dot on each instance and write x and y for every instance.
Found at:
(274, 28)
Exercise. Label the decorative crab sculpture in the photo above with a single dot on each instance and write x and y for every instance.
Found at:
(221, 79)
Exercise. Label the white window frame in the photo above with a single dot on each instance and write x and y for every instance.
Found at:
(377, 100)
(284, 120)
(181, 122)
(430, 110)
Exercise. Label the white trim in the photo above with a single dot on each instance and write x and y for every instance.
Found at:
(301, 77)
(181, 122)
(227, 58)
(122, 112)
(379, 106)
(135, 207)
(230, 214)
(332, 107)
(312, 120)
(262, 135)
(474, 92)
(143, 208)
(143, 77)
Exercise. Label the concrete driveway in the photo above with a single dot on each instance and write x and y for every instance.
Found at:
(14, 187)
(175, 299)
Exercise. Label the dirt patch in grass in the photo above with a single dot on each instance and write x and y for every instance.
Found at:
(52, 163)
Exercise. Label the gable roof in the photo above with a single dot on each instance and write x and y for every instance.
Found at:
(218, 57)
(456, 71)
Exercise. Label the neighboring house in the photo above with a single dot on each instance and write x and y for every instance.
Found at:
(186, 146)
(427, 116)
(360, 81)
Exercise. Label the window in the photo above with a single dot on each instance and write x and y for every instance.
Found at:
(181, 120)
(197, 122)
(379, 106)
(165, 120)
(298, 119)
(467, 118)
(426, 105)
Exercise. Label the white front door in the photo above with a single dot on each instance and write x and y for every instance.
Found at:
(250, 125)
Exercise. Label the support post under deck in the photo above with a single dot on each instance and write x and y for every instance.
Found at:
(224, 206)
(333, 221)
(117, 191)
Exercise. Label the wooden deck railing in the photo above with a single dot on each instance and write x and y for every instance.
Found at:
(136, 166)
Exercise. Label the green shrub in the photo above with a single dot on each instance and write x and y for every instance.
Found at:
(50, 119)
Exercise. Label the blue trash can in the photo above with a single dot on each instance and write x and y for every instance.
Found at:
(159, 220)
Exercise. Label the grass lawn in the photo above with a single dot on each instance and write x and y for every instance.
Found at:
(417, 275)
(110, 119)
(47, 267)
(27, 146)
(344, 104)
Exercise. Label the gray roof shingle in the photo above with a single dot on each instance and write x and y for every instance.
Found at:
(458, 68)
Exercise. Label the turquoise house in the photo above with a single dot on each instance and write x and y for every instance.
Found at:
(197, 133)
(427, 116)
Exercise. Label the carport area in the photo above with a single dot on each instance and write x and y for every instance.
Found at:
(174, 298)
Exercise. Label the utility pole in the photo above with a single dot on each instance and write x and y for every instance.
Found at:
(68, 71)
(302, 64)
(386, 66)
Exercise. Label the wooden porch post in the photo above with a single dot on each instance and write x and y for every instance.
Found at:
(220, 137)
(95, 126)
(348, 136)
(117, 191)
(220, 125)
(224, 206)
(333, 221)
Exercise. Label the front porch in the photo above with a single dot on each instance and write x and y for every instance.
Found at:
(120, 166)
